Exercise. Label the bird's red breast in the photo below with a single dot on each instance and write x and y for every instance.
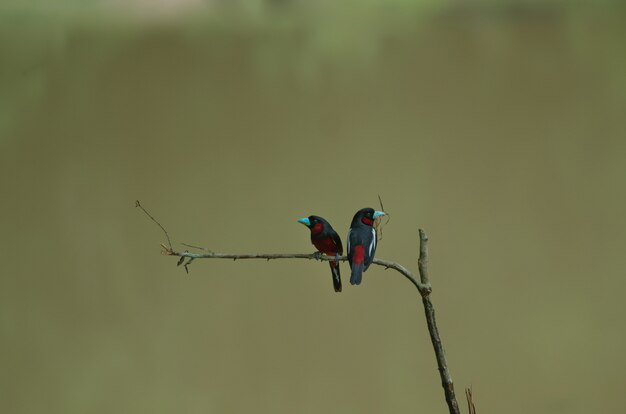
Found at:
(326, 246)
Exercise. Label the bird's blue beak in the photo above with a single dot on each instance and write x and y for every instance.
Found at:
(378, 214)
(305, 221)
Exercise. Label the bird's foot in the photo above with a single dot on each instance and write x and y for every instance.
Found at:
(317, 255)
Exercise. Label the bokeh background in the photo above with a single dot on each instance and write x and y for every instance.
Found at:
(499, 127)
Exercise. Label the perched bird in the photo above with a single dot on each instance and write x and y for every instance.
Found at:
(362, 242)
(327, 241)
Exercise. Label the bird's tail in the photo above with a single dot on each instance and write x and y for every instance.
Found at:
(334, 268)
(357, 274)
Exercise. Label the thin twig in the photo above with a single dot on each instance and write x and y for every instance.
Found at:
(470, 400)
(195, 247)
(378, 224)
(380, 201)
(167, 236)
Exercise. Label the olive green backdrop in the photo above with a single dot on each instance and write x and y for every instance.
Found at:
(499, 128)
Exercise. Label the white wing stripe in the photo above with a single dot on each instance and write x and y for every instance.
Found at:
(373, 243)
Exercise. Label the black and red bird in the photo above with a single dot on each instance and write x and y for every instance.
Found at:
(327, 241)
(362, 242)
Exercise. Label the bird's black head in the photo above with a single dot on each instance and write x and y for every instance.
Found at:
(366, 216)
(313, 222)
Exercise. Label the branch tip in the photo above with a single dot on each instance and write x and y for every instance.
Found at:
(423, 235)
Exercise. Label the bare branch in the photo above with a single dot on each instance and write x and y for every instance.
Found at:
(423, 286)
(429, 311)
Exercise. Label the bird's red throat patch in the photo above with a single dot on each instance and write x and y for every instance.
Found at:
(317, 228)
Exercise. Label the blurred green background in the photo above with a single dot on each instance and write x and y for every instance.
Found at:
(496, 126)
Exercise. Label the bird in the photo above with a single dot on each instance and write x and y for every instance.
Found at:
(362, 242)
(327, 241)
